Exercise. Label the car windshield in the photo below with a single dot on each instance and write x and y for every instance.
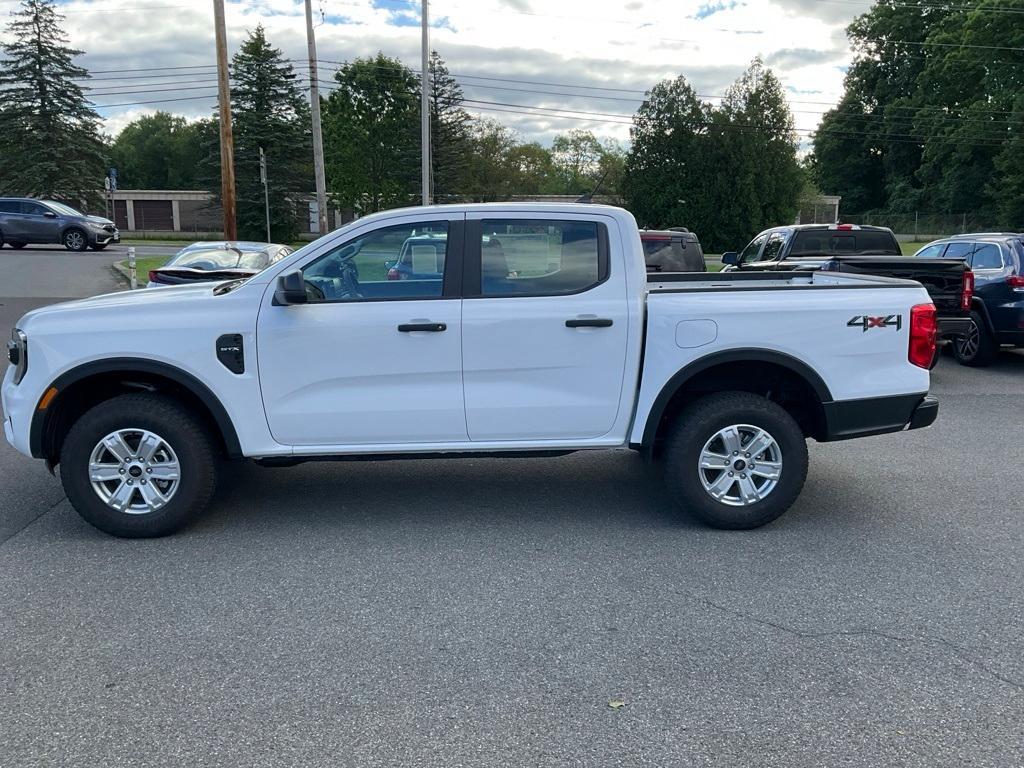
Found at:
(221, 258)
(67, 210)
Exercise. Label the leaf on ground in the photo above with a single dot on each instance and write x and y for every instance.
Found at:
(616, 703)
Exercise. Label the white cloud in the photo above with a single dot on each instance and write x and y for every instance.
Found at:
(596, 43)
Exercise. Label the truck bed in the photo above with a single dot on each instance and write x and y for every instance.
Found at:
(677, 282)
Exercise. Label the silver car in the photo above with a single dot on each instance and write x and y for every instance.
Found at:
(217, 261)
(24, 220)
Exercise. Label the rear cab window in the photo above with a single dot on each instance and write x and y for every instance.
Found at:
(540, 257)
(816, 242)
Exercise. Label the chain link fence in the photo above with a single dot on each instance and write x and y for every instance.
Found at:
(922, 227)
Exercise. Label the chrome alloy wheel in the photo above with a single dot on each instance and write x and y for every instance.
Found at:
(74, 240)
(740, 465)
(134, 471)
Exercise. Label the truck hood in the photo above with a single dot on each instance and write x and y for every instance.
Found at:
(169, 301)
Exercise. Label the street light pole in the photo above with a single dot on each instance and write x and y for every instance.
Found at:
(425, 103)
(318, 136)
(266, 191)
(227, 149)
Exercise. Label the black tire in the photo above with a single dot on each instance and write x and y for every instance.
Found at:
(98, 246)
(17, 246)
(75, 239)
(978, 348)
(697, 424)
(186, 436)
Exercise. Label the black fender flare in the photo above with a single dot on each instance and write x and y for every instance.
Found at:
(685, 374)
(979, 306)
(41, 418)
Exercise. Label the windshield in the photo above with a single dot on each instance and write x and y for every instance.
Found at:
(67, 210)
(221, 258)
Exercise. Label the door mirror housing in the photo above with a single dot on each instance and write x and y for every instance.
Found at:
(731, 258)
(291, 289)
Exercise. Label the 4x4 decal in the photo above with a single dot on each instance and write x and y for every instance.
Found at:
(867, 322)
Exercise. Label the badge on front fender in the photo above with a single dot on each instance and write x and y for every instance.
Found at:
(867, 322)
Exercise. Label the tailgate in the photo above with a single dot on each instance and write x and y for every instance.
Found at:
(942, 278)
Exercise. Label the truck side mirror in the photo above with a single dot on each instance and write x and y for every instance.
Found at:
(731, 257)
(291, 289)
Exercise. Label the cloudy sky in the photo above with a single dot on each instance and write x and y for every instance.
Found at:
(539, 66)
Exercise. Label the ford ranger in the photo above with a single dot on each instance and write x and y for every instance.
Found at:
(542, 335)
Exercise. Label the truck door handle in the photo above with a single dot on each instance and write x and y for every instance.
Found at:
(428, 327)
(589, 322)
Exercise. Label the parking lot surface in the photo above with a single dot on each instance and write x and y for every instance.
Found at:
(486, 612)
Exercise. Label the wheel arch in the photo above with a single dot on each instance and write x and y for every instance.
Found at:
(88, 384)
(772, 374)
(979, 306)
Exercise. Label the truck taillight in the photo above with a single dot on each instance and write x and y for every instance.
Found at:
(967, 294)
(924, 328)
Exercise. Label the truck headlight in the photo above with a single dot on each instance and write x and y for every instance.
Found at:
(17, 354)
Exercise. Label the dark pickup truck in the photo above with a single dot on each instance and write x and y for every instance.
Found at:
(863, 250)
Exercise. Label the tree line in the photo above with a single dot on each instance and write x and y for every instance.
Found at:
(724, 170)
(932, 117)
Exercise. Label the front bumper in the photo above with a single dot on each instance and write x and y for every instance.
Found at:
(17, 409)
(104, 237)
(847, 419)
(951, 327)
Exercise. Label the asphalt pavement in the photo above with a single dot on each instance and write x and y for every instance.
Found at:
(486, 612)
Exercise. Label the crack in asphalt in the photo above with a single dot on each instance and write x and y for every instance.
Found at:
(961, 653)
(35, 519)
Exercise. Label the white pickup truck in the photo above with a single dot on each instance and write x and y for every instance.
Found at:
(510, 330)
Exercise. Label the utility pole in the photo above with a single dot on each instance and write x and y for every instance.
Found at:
(227, 143)
(318, 136)
(425, 103)
(266, 191)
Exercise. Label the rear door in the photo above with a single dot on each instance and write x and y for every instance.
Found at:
(544, 327)
(991, 268)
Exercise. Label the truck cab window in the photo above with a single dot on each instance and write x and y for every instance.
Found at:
(400, 262)
(523, 257)
(751, 251)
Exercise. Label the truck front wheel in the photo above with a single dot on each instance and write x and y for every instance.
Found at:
(735, 460)
(138, 466)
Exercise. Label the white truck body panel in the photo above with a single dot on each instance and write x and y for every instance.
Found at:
(335, 378)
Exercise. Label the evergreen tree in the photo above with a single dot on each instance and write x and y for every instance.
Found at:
(664, 181)
(269, 111)
(449, 133)
(50, 145)
(371, 135)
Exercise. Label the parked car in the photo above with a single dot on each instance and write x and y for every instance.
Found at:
(863, 250)
(24, 220)
(202, 262)
(997, 307)
(420, 258)
(672, 250)
(570, 346)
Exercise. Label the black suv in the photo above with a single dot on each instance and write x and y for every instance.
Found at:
(672, 250)
(997, 310)
(24, 220)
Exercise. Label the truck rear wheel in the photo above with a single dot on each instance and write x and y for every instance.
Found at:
(735, 460)
(139, 466)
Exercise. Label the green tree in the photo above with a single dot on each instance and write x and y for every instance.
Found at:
(269, 111)
(158, 151)
(664, 182)
(492, 171)
(577, 158)
(532, 170)
(371, 135)
(758, 177)
(51, 145)
(449, 132)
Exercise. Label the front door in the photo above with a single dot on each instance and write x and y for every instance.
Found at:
(369, 360)
(39, 223)
(544, 328)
